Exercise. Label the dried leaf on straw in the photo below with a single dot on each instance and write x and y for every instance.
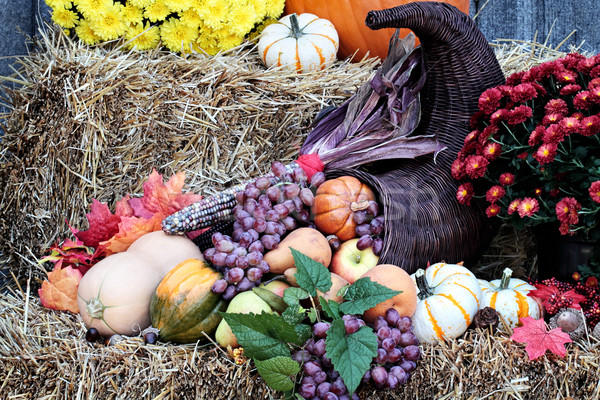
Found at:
(59, 291)
(376, 123)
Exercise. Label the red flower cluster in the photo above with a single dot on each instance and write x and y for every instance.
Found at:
(534, 151)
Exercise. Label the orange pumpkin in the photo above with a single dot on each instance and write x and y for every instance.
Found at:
(335, 204)
(348, 17)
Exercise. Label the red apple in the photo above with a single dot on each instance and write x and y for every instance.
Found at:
(351, 263)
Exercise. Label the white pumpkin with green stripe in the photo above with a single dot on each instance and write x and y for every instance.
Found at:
(509, 298)
(449, 297)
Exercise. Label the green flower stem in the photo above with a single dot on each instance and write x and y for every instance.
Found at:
(512, 134)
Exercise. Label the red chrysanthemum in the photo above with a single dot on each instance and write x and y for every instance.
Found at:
(527, 207)
(578, 116)
(595, 92)
(565, 229)
(545, 153)
(513, 206)
(554, 192)
(556, 106)
(587, 64)
(553, 118)
(495, 193)
(536, 136)
(515, 78)
(549, 68)
(523, 92)
(571, 60)
(595, 191)
(553, 134)
(506, 179)
(570, 90)
(492, 151)
(569, 125)
(471, 137)
(589, 126)
(492, 210)
(582, 100)
(530, 75)
(567, 210)
(489, 100)
(476, 166)
(506, 90)
(591, 281)
(565, 76)
(519, 114)
(523, 155)
(465, 193)
(458, 169)
(499, 116)
(539, 88)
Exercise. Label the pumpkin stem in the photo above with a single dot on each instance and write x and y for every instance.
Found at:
(359, 205)
(296, 32)
(424, 289)
(95, 308)
(506, 274)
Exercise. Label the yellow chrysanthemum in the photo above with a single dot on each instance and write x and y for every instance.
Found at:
(177, 36)
(157, 11)
(65, 18)
(206, 43)
(191, 18)
(55, 4)
(142, 37)
(140, 3)
(214, 13)
(275, 8)
(109, 24)
(245, 18)
(86, 34)
(132, 15)
(260, 8)
(92, 9)
(226, 42)
(179, 5)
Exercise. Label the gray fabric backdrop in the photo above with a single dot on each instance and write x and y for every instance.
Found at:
(515, 19)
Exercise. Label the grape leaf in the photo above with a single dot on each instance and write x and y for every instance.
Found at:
(365, 294)
(311, 275)
(293, 314)
(277, 371)
(539, 339)
(352, 354)
(264, 335)
(330, 307)
(304, 332)
(59, 290)
(293, 295)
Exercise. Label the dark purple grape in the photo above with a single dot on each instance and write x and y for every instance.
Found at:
(399, 373)
(404, 324)
(381, 357)
(230, 260)
(319, 348)
(251, 192)
(388, 344)
(260, 212)
(364, 242)
(271, 228)
(309, 345)
(234, 275)
(363, 229)
(366, 377)
(287, 177)
(307, 390)
(320, 329)
(219, 286)
(278, 168)
(245, 239)
(216, 238)
(242, 262)
(281, 230)
(307, 197)
(333, 374)
(377, 246)
(254, 274)
(239, 251)
(317, 179)
(301, 356)
(264, 267)
(330, 396)
(384, 332)
(250, 206)
(377, 226)
(299, 175)
(394, 355)
(289, 223)
(395, 335)
(208, 253)
(264, 202)
(240, 197)
(351, 326)
(311, 368)
(308, 380)
(408, 366)
(273, 193)
(348, 317)
(245, 284)
(92, 335)
(392, 381)
(254, 258)
(320, 377)
(373, 208)
(272, 216)
(218, 259)
(412, 353)
(269, 242)
(237, 232)
(298, 205)
(281, 210)
(392, 316)
(323, 388)
(229, 293)
(379, 323)
(292, 190)
(326, 363)
(256, 246)
(247, 223)
(262, 183)
(408, 339)
(379, 376)
(360, 217)
(338, 387)
(254, 236)
(304, 216)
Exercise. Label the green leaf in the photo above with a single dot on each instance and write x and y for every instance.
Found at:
(277, 371)
(330, 307)
(293, 295)
(264, 335)
(352, 354)
(304, 332)
(293, 314)
(365, 294)
(311, 275)
(312, 315)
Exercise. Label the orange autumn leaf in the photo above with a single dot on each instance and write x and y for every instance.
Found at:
(131, 229)
(59, 290)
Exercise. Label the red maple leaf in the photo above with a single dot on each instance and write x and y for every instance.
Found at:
(548, 293)
(103, 225)
(539, 339)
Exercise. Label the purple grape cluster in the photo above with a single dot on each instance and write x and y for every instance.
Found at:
(397, 353)
(268, 208)
(321, 380)
(369, 228)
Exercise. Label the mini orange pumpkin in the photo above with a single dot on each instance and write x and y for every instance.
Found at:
(336, 202)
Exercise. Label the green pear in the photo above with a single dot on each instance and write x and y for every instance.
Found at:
(242, 303)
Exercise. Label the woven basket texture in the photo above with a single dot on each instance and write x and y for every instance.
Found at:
(424, 221)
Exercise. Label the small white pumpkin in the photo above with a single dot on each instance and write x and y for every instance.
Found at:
(448, 298)
(509, 298)
(302, 42)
